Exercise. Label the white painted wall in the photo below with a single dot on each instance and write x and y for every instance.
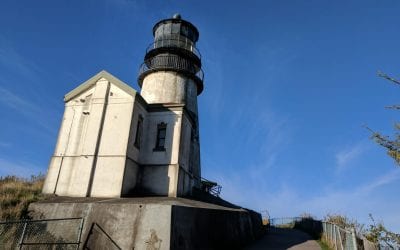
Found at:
(72, 163)
(110, 167)
(171, 153)
(161, 166)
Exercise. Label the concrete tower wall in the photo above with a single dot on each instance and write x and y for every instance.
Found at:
(183, 156)
(170, 87)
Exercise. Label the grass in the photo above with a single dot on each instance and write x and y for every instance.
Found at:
(323, 245)
(16, 194)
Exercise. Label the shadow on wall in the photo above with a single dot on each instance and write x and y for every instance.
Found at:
(194, 228)
(148, 176)
(310, 226)
(98, 238)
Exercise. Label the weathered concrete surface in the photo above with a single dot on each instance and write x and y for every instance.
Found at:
(162, 222)
(285, 238)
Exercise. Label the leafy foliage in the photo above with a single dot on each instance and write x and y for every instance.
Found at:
(391, 144)
(377, 233)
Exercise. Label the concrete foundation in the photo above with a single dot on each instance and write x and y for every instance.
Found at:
(154, 223)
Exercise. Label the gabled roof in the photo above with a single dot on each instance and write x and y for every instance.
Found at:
(92, 81)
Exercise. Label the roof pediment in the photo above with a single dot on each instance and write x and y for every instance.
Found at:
(92, 81)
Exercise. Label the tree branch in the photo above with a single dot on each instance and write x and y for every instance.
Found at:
(393, 107)
(383, 75)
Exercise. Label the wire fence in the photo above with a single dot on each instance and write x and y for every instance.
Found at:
(41, 234)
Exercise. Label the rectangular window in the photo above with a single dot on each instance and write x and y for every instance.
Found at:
(139, 129)
(161, 134)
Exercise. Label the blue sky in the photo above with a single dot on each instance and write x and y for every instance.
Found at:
(288, 88)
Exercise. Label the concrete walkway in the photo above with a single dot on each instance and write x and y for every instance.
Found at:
(285, 238)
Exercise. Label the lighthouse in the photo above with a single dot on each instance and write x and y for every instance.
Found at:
(116, 142)
(127, 163)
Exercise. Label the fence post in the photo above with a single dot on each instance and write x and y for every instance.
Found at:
(354, 239)
(340, 239)
(22, 236)
(334, 236)
(327, 235)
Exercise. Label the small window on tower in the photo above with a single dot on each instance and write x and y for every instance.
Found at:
(139, 130)
(161, 134)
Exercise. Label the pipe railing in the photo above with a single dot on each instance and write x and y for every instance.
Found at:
(210, 187)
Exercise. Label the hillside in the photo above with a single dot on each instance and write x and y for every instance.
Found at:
(16, 194)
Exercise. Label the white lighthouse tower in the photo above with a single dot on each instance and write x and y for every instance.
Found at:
(171, 79)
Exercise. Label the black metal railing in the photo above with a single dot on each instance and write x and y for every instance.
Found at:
(171, 62)
(210, 187)
(181, 43)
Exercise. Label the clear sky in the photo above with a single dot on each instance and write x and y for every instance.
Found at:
(288, 88)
